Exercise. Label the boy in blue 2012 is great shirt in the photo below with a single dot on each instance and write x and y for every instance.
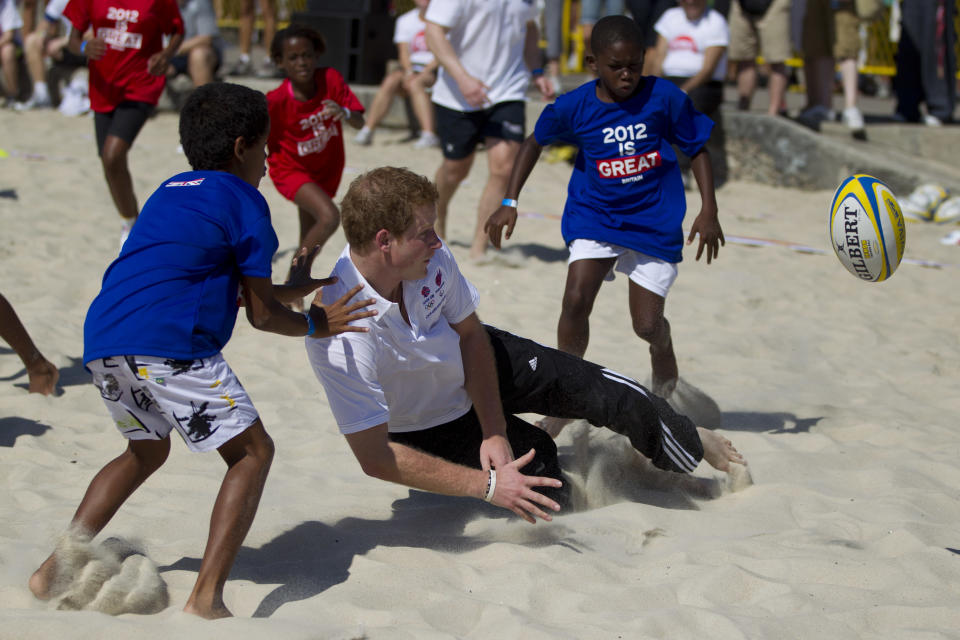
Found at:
(167, 307)
(625, 201)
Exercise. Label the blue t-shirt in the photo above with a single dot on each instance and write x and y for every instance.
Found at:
(626, 187)
(172, 292)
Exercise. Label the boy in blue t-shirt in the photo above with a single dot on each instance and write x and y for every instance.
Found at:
(625, 201)
(167, 307)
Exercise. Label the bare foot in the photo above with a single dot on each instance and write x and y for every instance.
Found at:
(718, 451)
(43, 376)
(553, 426)
(210, 613)
(42, 579)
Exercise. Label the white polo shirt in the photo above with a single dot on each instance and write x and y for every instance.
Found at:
(488, 37)
(409, 376)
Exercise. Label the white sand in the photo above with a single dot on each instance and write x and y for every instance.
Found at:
(841, 394)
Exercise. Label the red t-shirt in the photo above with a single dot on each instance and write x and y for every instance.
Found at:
(133, 31)
(300, 140)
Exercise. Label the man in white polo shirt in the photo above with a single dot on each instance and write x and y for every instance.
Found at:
(427, 397)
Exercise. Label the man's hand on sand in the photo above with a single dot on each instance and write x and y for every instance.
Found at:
(718, 451)
(515, 492)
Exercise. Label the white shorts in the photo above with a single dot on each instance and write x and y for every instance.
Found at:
(148, 397)
(651, 273)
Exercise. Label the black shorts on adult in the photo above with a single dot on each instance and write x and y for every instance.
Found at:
(124, 122)
(461, 131)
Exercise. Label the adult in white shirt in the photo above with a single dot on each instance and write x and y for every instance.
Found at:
(487, 50)
(427, 396)
(691, 52)
(417, 73)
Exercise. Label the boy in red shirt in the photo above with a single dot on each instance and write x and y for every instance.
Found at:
(127, 62)
(305, 146)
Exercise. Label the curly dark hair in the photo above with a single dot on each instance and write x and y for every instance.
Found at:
(214, 116)
(612, 29)
(296, 31)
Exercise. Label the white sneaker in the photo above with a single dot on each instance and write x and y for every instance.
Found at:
(34, 102)
(853, 119)
(948, 211)
(427, 141)
(932, 121)
(364, 137)
(922, 202)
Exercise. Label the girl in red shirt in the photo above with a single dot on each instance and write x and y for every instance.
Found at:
(128, 63)
(305, 146)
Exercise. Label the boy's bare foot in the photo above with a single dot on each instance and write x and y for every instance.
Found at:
(208, 613)
(42, 579)
(553, 426)
(718, 451)
(43, 376)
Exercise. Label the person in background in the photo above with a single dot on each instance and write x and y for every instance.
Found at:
(201, 52)
(417, 73)
(48, 44)
(760, 27)
(488, 50)
(691, 52)
(244, 66)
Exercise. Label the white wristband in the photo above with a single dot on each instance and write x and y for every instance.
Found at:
(491, 485)
(346, 113)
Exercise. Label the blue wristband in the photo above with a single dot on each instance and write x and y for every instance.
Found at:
(310, 326)
(537, 72)
(509, 202)
(83, 45)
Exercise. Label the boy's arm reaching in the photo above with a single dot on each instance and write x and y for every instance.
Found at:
(706, 224)
(506, 215)
(267, 313)
(395, 462)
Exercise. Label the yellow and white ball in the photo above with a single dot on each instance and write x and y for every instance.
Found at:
(867, 228)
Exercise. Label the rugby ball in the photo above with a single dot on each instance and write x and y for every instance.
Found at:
(867, 228)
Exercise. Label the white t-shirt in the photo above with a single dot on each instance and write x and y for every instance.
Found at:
(409, 30)
(488, 37)
(409, 376)
(10, 19)
(687, 42)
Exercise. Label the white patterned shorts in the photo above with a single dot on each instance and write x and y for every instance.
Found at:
(653, 274)
(148, 397)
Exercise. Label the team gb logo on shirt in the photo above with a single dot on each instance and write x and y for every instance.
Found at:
(431, 298)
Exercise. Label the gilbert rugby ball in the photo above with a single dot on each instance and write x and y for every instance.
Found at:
(867, 228)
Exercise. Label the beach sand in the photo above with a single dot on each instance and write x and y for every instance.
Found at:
(841, 394)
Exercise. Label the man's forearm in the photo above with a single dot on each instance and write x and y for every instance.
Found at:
(480, 381)
(418, 470)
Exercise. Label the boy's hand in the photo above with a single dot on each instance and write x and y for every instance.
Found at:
(157, 64)
(332, 110)
(503, 216)
(711, 235)
(546, 88)
(334, 319)
(95, 49)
